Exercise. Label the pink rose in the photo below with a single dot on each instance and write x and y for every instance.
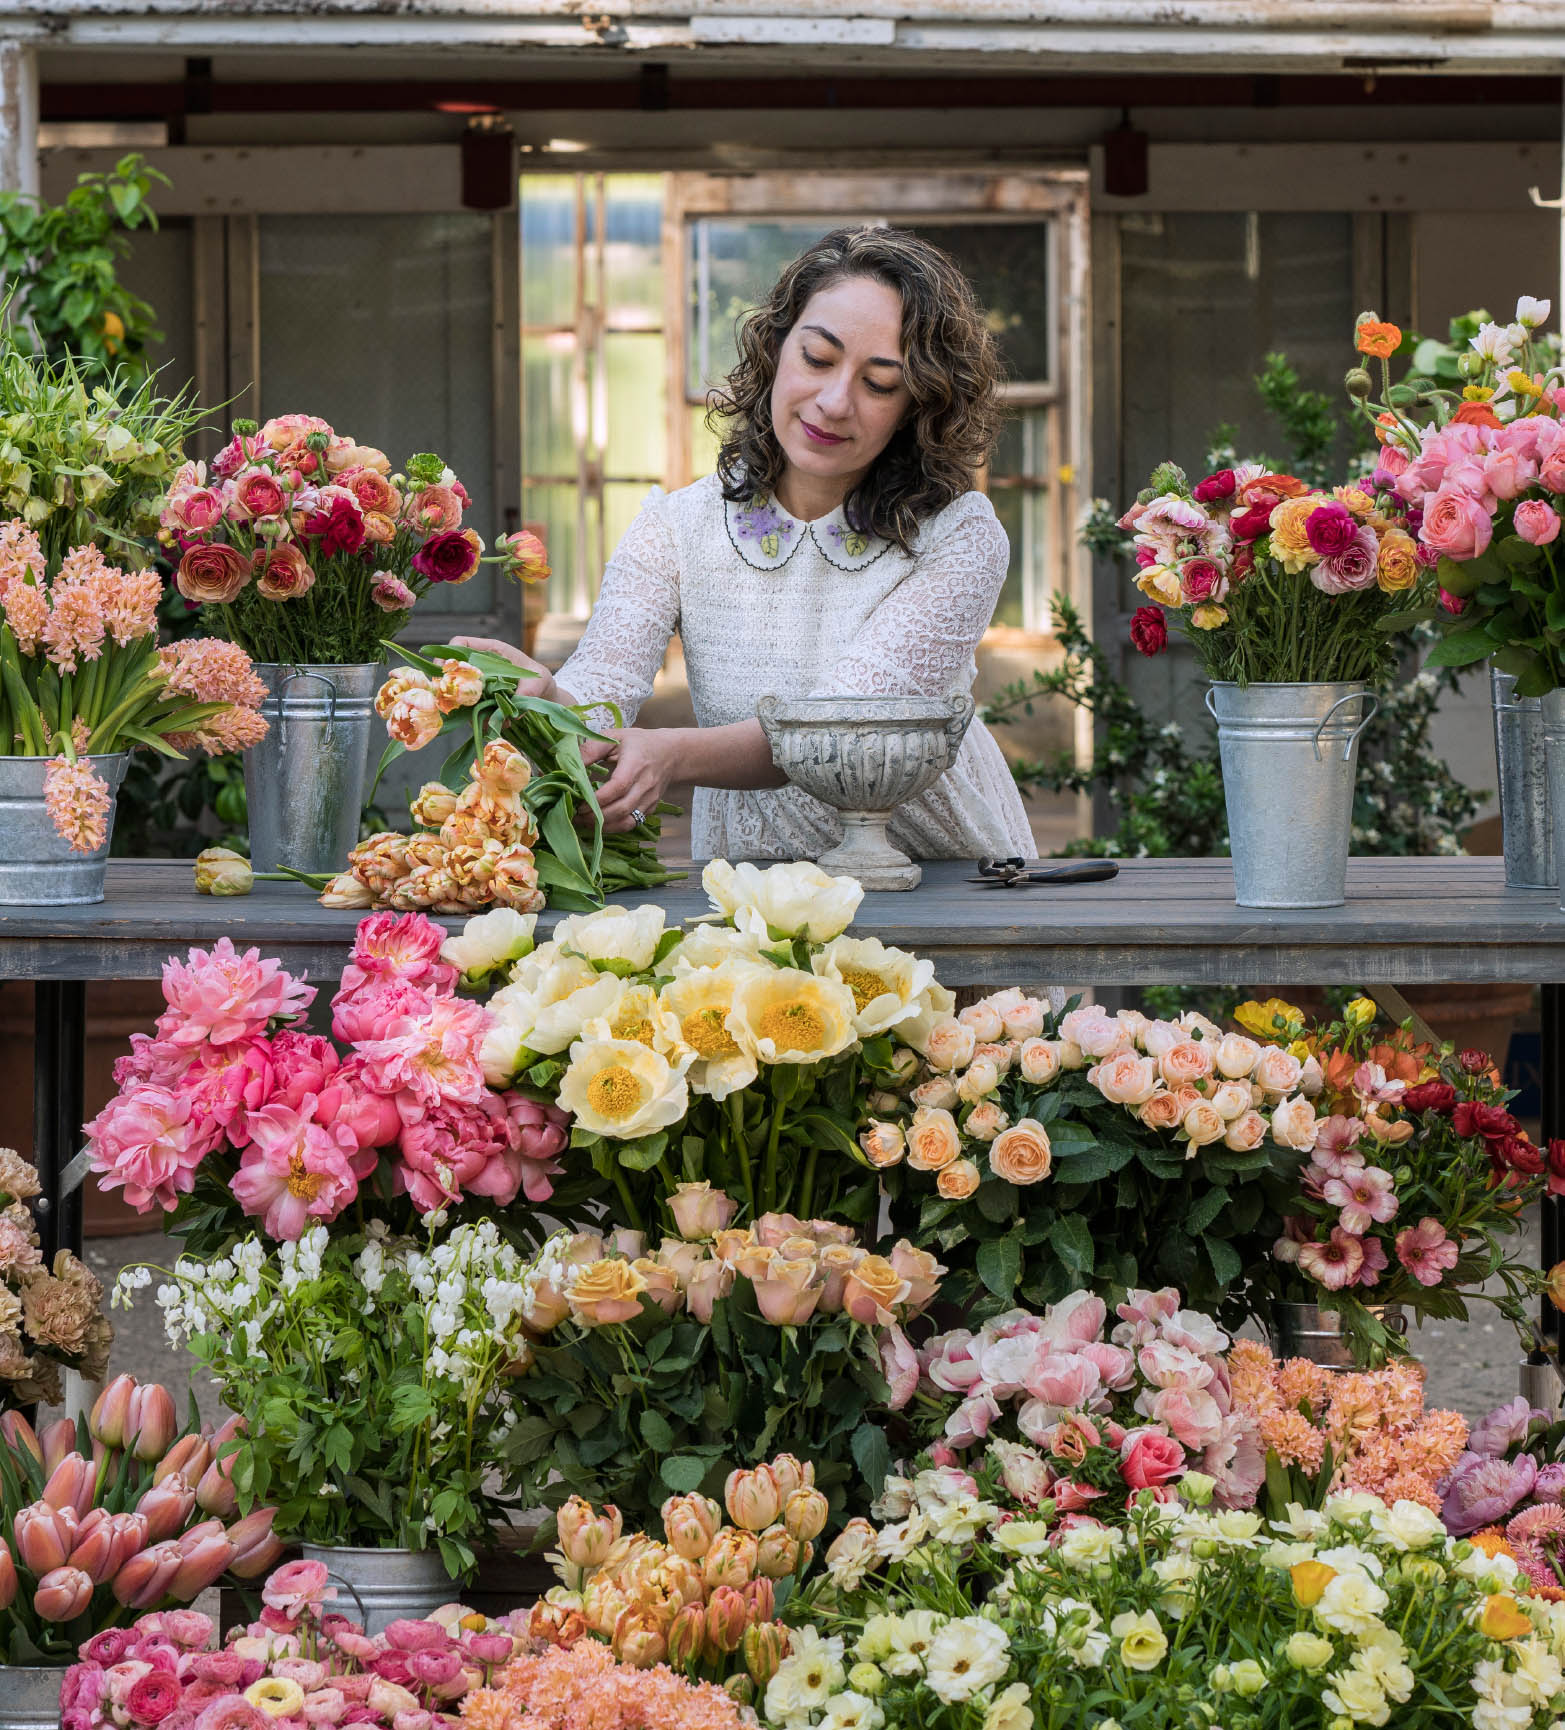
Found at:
(1537, 522)
(1149, 1458)
(1456, 525)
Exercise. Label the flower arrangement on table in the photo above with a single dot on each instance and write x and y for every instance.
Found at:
(1086, 1148)
(118, 1512)
(51, 1318)
(82, 675)
(664, 1371)
(301, 1662)
(1270, 580)
(1326, 1432)
(1415, 1179)
(1482, 479)
(1051, 1410)
(704, 1598)
(1357, 1613)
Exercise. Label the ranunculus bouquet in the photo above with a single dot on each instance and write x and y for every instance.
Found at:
(1271, 580)
(1414, 1185)
(121, 1512)
(1055, 1411)
(1361, 1613)
(1090, 1147)
(50, 1317)
(81, 675)
(302, 1662)
(665, 1371)
(1483, 480)
(306, 547)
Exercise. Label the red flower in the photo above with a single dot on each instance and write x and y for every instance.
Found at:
(1149, 630)
(1250, 525)
(1475, 1062)
(154, 1697)
(1517, 1152)
(1557, 1167)
(1492, 1122)
(1218, 486)
(341, 529)
(1430, 1096)
(449, 557)
(1241, 564)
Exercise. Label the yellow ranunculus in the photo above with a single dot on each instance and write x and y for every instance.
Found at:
(786, 1016)
(886, 983)
(1159, 583)
(1503, 1618)
(620, 1088)
(1397, 567)
(1209, 616)
(693, 1012)
(1261, 1018)
(276, 1696)
(1290, 544)
(1360, 1012)
(1310, 1579)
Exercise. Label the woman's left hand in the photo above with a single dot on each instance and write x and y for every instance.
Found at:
(641, 770)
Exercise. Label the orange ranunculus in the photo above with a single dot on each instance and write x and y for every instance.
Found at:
(1339, 1068)
(1503, 1618)
(1399, 1065)
(1310, 1579)
(1476, 414)
(1284, 486)
(1492, 1541)
(1377, 337)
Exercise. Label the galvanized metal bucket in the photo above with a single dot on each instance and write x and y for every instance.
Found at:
(386, 1586)
(304, 782)
(1308, 1331)
(30, 1696)
(1290, 757)
(38, 868)
(1525, 808)
(1553, 707)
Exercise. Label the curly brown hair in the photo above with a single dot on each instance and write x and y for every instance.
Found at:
(951, 369)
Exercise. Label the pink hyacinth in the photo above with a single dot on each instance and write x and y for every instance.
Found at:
(1365, 1196)
(1426, 1252)
(458, 1149)
(76, 626)
(431, 1058)
(294, 1171)
(1335, 1263)
(150, 1141)
(396, 946)
(219, 996)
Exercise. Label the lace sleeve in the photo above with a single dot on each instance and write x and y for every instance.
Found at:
(919, 641)
(636, 613)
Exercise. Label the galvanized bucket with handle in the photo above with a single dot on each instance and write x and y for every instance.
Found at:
(37, 866)
(1290, 758)
(1526, 811)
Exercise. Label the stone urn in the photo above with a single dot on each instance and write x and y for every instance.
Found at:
(865, 756)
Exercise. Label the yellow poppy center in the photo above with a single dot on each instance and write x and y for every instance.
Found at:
(638, 1029)
(792, 1026)
(614, 1092)
(864, 985)
(706, 1031)
(302, 1183)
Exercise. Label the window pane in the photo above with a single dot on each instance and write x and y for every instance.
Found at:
(547, 437)
(703, 445)
(551, 513)
(733, 264)
(548, 210)
(637, 381)
(632, 263)
(159, 270)
(1021, 513)
(1008, 264)
(381, 324)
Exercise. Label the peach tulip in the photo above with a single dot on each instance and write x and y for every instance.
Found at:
(44, 1536)
(72, 1484)
(62, 1595)
(144, 1580)
(110, 1410)
(151, 1423)
(753, 1498)
(190, 1456)
(167, 1507)
(58, 1439)
(205, 1561)
(9, 1580)
(256, 1547)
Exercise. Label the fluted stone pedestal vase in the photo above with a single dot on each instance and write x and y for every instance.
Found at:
(865, 756)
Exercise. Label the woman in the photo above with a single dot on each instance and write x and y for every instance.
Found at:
(839, 550)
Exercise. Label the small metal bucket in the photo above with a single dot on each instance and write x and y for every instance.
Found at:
(1308, 1331)
(1290, 757)
(30, 1696)
(1553, 707)
(304, 782)
(38, 868)
(1525, 807)
(387, 1585)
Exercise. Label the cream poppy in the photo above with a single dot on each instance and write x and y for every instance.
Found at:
(693, 1014)
(786, 1016)
(618, 940)
(620, 1088)
(887, 984)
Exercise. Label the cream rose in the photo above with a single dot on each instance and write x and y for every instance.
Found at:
(1160, 1036)
(949, 1045)
(1039, 1061)
(1162, 1111)
(979, 1081)
(1277, 1071)
(1128, 1079)
(604, 1292)
(1024, 1016)
(985, 1020)
(1232, 1100)
(985, 1121)
(1203, 1123)
(959, 1180)
(933, 1140)
(937, 1094)
(1237, 1056)
(1021, 1154)
(883, 1143)
(1187, 1062)
(1246, 1132)
(1294, 1125)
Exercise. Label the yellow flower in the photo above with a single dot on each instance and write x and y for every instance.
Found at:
(276, 1696)
(1310, 1579)
(1159, 583)
(1142, 1642)
(1310, 1652)
(886, 983)
(1360, 1013)
(1397, 566)
(1290, 544)
(787, 1016)
(693, 1010)
(620, 1088)
(1355, 499)
(1476, 393)
(1522, 384)
(1209, 616)
(1262, 1018)
(1502, 1618)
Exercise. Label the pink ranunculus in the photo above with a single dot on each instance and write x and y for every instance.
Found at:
(294, 1170)
(1149, 1458)
(1331, 529)
(150, 1141)
(1202, 579)
(193, 511)
(1191, 1415)
(1335, 1263)
(154, 1697)
(431, 1057)
(460, 1148)
(1456, 524)
(1366, 1196)
(1537, 522)
(218, 996)
(396, 946)
(255, 492)
(899, 1365)
(1352, 568)
(298, 1587)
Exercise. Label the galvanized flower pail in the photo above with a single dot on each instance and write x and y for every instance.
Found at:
(37, 867)
(1521, 759)
(1290, 758)
(30, 1696)
(1553, 707)
(386, 1586)
(304, 782)
(1308, 1331)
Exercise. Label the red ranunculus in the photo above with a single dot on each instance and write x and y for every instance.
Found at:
(154, 1697)
(449, 557)
(1430, 1096)
(1475, 1062)
(1149, 630)
(1490, 1121)
(1250, 525)
(1517, 1152)
(340, 529)
(1218, 486)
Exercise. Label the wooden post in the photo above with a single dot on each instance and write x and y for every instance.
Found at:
(18, 118)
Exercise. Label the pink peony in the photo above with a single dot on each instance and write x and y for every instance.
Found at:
(396, 946)
(1426, 1252)
(373, 1013)
(542, 1133)
(149, 1141)
(347, 1101)
(1456, 524)
(219, 996)
(1482, 1491)
(458, 1149)
(1537, 522)
(303, 1063)
(1503, 1428)
(294, 1170)
(1335, 1263)
(226, 1082)
(431, 1058)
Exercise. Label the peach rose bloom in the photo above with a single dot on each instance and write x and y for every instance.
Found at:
(1294, 1125)
(949, 1045)
(872, 1290)
(985, 1121)
(1162, 1111)
(1246, 1132)
(920, 1269)
(1129, 1079)
(1232, 1100)
(1024, 1018)
(1039, 1061)
(605, 1291)
(1203, 1123)
(662, 1284)
(980, 1080)
(937, 1094)
(984, 1019)
(1021, 1154)
(1160, 1036)
(883, 1143)
(959, 1180)
(1189, 1061)
(1001, 1054)
(933, 1140)
(1277, 1071)
(836, 1261)
(1237, 1056)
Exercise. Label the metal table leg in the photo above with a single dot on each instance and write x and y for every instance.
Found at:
(59, 1038)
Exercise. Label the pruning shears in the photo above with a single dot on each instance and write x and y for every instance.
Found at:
(1016, 873)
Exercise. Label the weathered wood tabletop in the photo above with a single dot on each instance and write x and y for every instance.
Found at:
(1161, 921)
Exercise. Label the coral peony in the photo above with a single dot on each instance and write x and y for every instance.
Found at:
(219, 996)
(294, 1170)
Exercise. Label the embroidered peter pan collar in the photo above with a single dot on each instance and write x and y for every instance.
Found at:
(766, 537)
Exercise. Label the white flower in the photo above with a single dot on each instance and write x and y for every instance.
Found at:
(1408, 1526)
(488, 941)
(966, 1655)
(1537, 1676)
(1531, 312)
(1302, 1523)
(1078, 1628)
(850, 1711)
(1086, 1547)
(786, 1016)
(620, 1088)
(961, 1519)
(693, 1012)
(1023, 1537)
(617, 940)
(1493, 343)
(1010, 1709)
(1350, 1559)
(783, 901)
(1357, 1696)
(807, 1678)
(710, 945)
(1351, 1507)
(1351, 1604)
(909, 1640)
(887, 984)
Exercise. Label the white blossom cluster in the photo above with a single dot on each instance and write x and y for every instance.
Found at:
(474, 1290)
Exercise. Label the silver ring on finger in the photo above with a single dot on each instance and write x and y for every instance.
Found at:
(638, 816)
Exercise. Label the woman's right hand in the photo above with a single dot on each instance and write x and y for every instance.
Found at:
(509, 652)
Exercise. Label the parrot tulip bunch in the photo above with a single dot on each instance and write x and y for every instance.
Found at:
(704, 1600)
(118, 1512)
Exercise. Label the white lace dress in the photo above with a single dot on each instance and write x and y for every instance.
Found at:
(766, 603)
